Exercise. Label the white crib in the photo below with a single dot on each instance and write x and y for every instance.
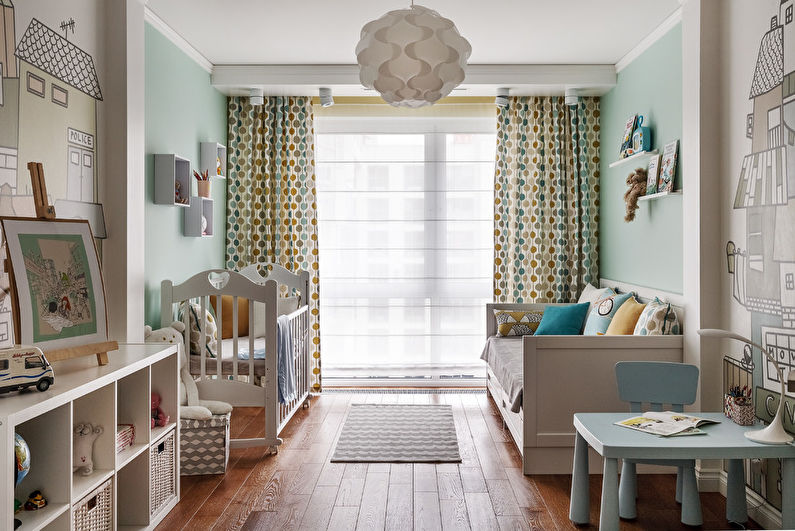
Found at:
(246, 382)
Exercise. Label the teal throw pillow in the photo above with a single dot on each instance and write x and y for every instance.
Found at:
(563, 320)
(602, 313)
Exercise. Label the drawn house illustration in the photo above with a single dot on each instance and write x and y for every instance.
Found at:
(763, 273)
(58, 94)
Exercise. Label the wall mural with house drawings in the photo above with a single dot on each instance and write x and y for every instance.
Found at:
(762, 267)
(49, 98)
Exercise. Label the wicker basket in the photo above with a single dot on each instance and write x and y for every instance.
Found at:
(95, 511)
(163, 486)
(742, 412)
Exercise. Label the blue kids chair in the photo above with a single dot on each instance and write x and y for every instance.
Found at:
(656, 384)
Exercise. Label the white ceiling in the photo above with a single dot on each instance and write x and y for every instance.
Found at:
(500, 31)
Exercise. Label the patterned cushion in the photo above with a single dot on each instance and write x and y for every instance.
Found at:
(591, 294)
(195, 330)
(658, 319)
(602, 313)
(523, 323)
(623, 322)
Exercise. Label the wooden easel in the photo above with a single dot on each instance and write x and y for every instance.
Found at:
(47, 212)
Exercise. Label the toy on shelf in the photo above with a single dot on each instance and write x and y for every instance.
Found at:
(83, 449)
(637, 187)
(159, 418)
(178, 197)
(36, 501)
(21, 459)
(125, 437)
(636, 138)
(25, 366)
(218, 170)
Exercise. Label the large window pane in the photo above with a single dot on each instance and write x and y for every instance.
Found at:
(405, 242)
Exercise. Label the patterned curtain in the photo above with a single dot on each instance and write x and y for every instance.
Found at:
(546, 191)
(272, 213)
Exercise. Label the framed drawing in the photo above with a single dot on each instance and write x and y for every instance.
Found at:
(668, 168)
(651, 174)
(56, 283)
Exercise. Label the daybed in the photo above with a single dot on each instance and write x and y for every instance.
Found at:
(539, 382)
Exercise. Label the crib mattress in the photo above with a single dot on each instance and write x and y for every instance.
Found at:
(505, 359)
(226, 350)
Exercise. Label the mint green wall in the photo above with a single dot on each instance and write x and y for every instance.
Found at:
(182, 110)
(647, 251)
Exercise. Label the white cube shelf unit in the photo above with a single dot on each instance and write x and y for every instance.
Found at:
(210, 154)
(117, 393)
(199, 206)
(171, 169)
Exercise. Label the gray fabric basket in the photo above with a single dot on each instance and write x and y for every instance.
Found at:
(204, 445)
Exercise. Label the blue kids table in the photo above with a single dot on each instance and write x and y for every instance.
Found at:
(722, 441)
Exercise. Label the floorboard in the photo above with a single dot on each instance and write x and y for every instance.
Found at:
(299, 488)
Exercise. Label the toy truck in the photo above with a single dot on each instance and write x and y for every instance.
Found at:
(22, 367)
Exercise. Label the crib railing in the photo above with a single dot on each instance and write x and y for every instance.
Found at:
(299, 330)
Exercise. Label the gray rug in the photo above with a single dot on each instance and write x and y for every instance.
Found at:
(398, 433)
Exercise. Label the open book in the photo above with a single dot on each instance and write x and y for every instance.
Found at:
(666, 423)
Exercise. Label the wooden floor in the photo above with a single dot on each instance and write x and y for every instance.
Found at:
(300, 489)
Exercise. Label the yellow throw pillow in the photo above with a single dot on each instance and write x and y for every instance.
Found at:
(521, 323)
(625, 319)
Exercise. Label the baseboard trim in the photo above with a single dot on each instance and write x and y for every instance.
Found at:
(764, 514)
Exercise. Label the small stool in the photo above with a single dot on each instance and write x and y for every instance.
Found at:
(204, 445)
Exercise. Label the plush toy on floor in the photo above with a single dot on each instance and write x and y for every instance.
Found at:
(191, 406)
(83, 448)
(637, 187)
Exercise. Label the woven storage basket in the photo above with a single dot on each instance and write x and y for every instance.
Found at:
(163, 486)
(95, 511)
(743, 413)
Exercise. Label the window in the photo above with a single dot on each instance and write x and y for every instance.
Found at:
(405, 242)
(60, 96)
(789, 281)
(35, 85)
(3, 365)
(755, 243)
(34, 362)
(789, 85)
(2, 85)
(774, 127)
(88, 160)
(788, 15)
(749, 126)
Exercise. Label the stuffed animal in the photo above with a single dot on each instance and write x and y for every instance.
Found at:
(83, 448)
(159, 417)
(637, 187)
(191, 406)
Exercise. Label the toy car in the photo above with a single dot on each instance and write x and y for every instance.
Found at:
(22, 367)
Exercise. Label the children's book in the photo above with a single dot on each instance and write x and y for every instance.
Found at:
(652, 173)
(668, 168)
(666, 423)
(626, 140)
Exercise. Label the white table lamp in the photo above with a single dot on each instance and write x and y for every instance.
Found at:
(774, 433)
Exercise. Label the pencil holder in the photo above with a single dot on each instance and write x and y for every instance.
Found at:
(204, 188)
(742, 411)
(728, 400)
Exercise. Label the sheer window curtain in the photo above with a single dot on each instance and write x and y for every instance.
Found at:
(405, 215)
(271, 210)
(546, 192)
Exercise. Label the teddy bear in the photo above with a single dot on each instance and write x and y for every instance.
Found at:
(191, 406)
(84, 436)
(637, 187)
(159, 417)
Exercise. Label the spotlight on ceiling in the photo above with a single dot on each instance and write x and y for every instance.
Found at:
(572, 97)
(256, 96)
(326, 99)
(502, 97)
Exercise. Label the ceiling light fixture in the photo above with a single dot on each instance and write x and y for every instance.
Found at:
(412, 57)
(326, 99)
(256, 96)
(572, 97)
(502, 97)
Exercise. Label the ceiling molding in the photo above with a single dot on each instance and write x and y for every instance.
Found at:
(658, 32)
(168, 32)
(480, 79)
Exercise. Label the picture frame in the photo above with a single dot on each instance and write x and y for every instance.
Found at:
(57, 289)
(665, 183)
(652, 173)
